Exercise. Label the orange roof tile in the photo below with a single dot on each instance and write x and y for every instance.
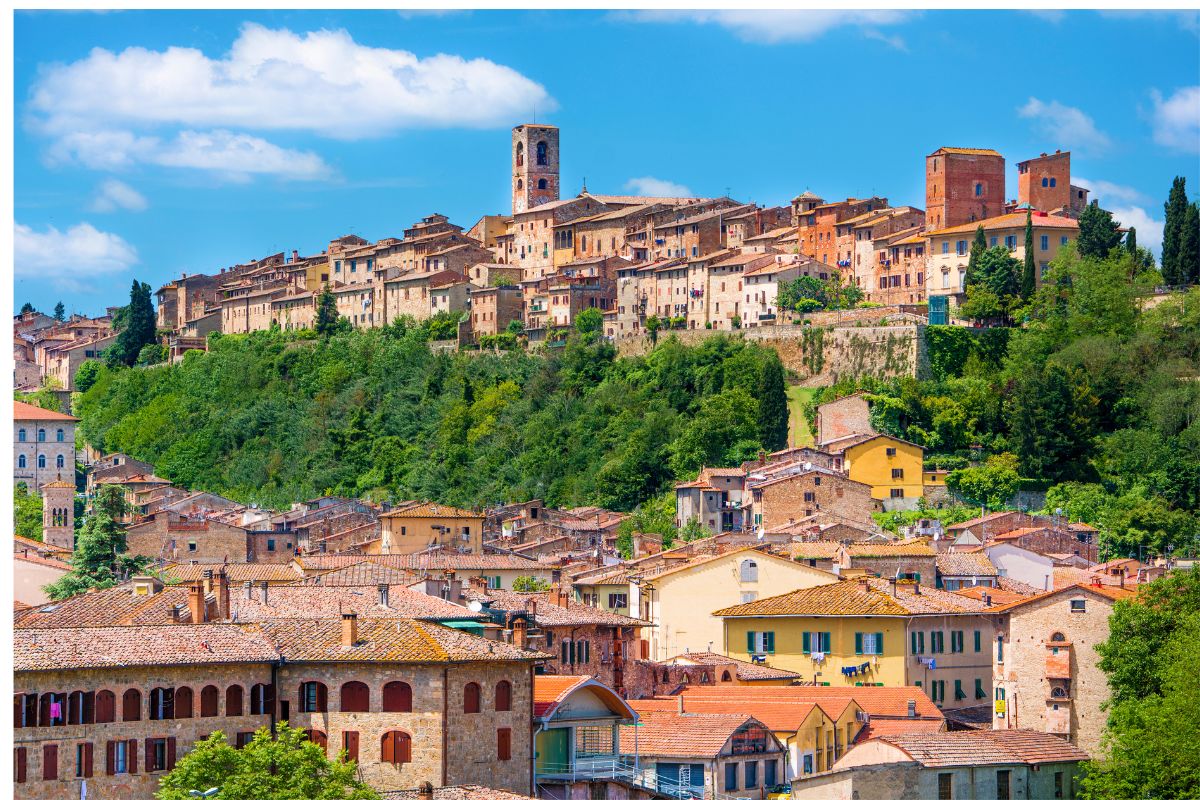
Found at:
(433, 510)
(963, 748)
(1009, 221)
(663, 733)
(550, 690)
(25, 411)
(886, 701)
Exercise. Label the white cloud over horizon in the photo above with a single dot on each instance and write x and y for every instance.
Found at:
(1066, 126)
(1127, 205)
(69, 259)
(1176, 119)
(114, 195)
(647, 186)
(784, 25)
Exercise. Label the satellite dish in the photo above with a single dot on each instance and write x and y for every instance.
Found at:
(475, 606)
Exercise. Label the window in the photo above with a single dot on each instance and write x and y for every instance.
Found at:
(233, 701)
(350, 745)
(21, 462)
(961, 247)
(504, 696)
(1058, 784)
(270, 545)
(59, 436)
(131, 705)
(504, 744)
(396, 748)
(21, 435)
(60, 461)
(956, 641)
(731, 777)
(979, 190)
(761, 641)
(471, 698)
(810, 497)
(868, 644)
(896, 493)
(162, 703)
(1078, 606)
(81, 708)
(41, 462)
(815, 641)
(992, 242)
(1045, 242)
(183, 703)
(49, 762)
(980, 694)
(891, 451)
(1003, 787)
(41, 434)
(1064, 241)
(320, 739)
(1010, 241)
(541, 154)
(83, 760)
(897, 474)
(945, 786)
(160, 754)
(618, 600)
(959, 694)
(945, 248)
(355, 696)
(978, 641)
(1053, 182)
(1045, 182)
(749, 570)
(918, 642)
(208, 701)
(751, 774)
(770, 769)
(397, 696)
(937, 642)
(313, 696)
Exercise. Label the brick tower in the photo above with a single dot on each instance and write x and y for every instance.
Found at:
(962, 184)
(1045, 182)
(58, 513)
(534, 166)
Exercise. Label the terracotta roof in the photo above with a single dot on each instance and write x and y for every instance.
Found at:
(665, 733)
(966, 151)
(37, 558)
(1017, 533)
(294, 601)
(965, 564)
(887, 701)
(1066, 577)
(878, 727)
(746, 671)
(433, 510)
(237, 573)
(24, 541)
(1107, 592)
(1018, 587)
(433, 561)
(817, 550)
(999, 596)
(468, 791)
(1009, 221)
(112, 607)
(857, 550)
(971, 523)
(362, 573)
(550, 690)
(25, 411)
(970, 748)
(853, 598)
(401, 640)
(548, 613)
(143, 645)
(778, 716)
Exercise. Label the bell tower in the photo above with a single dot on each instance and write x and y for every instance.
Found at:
(58, 513)
(534, 166)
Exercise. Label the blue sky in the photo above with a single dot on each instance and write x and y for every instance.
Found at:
(153, 143)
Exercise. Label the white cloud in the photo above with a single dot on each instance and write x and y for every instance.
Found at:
(1110, 191)
(113, 195)
(1177, 119)
(69, 258)
(656, 187)
(1149, 230)
(322, 81)
(774, 26)
(1065, 126)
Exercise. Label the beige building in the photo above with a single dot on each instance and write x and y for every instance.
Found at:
(419, 526)
(43, 446)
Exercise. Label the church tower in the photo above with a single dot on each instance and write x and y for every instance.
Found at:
(58, 513)
(534, 166)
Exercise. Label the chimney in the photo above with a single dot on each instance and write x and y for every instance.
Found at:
(892, 581)
(196, 603)
(208, 581)
(519, 632)
(864, 583)
(987, 599)
(383, 595)
(295, 255)
(912, 708)
(349, 629)
(680, 698)
(249, 589)
(264, 592)
(917, 587)
(222, 580)
(425, 792)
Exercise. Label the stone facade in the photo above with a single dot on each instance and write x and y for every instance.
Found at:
(787, 499)
(43, 446)
(845, 416)
(962, 185)
(169, 535)
(534, 166)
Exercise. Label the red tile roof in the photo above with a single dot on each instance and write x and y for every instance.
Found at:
(550, 690)
(25, 411)
(887, 701)
(780, 717)
(146, 645)
(665, 733)
(405, 640)
(297, 601)
(969, 748)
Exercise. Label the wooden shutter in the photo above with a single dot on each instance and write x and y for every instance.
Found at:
(397, 696)
(806, 642)
(355, 696)
(89, 708)
(170, 753)
(503, 696)
(131, 756)
(110, 758)
(504, 744)
(233, 701)
(49, 762)
(150, 743)
(131, 705)
(168, 703)
(879, 644)
(471, 698)
(21, 764)
(88, 758)
(858, 644)
(18, 710)
(322, 697)
(350, 744)
(208, 701)
(183, 703)
(403, 747)
(388, 754)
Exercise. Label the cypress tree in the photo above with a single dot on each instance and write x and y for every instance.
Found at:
(327, 313)
(772, 405)
(60, 312)
(1028, 275)
(1189, 246)
(139, 325)
(28, 308)
(1131, 242)
(978, 248)
(1176, 208)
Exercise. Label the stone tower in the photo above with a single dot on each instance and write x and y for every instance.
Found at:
(534, 166)
(1045, 182)
(962, 185)
(58, 513)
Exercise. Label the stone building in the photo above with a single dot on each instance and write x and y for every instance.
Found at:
(43, 446)
(1044, 183)
(808, 493)
(407, 701)
(897, 272)
(63, 361)
(493, 308)
(962, 185)
(843, 417)
(58, 514)
(817, 236)
(418, 526)
(535, 166)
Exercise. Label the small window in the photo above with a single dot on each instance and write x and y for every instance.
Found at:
(396, 748)
(397, 696)
(891, 451)
(21, 435)
(41, 434)
(897, 493)
(504, 744)
(471, 698)
(504, 696)
(945, 786)
(1078, 606)
(59, 435)
(897, 474)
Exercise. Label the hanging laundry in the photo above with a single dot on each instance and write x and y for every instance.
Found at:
(865, 667)
(55, 710)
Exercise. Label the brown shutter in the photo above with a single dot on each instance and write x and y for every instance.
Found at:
(150, 754)
(18, 709)
(88, 758)
(89, 708)
(131, 756)
(21, 765)
(504, 743)
(50, 762)
(350, 744)
(388, 756)
(403, 748)
(106, 710)
(208, 701)
(110, 759)
(183, 703)
(168, 703)
(171, 753)
(322, 697)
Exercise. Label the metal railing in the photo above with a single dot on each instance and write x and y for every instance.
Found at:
(621, 768)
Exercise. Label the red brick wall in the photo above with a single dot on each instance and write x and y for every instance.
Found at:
(1029, 181)
(950, 197)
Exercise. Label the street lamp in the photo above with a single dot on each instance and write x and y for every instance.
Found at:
(206, 793)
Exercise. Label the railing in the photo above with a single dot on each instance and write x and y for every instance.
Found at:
(620, 768)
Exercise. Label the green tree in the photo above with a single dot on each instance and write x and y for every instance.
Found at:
(1189, 246)
(288, 767)
(1029, 273)
(87, 374)
(992, 485)
(589, 322)
(151, 353)
(60, 312)
(1054, 419)
(1176, 213)
(528, 583)
(442, 326)
(1098, 232)
(327, 313)
(138, 328)
(978, 248)
(28, 308)
(1131, 244)
(515, 328)
(99, 558)
(27, 512)
(772, 406)
(653, 324)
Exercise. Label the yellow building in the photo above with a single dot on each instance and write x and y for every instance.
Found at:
(419, 526)
(869, 631)
(892, 467)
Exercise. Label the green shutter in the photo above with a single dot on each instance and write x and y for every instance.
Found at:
(858, 644)
(749, 641)
(807, 644)
(826, 642)
(914, 643)
(977, 643)
(769, 641)
(879, 644)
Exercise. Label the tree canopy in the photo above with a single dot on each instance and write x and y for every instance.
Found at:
(99, 559)
(136, 324)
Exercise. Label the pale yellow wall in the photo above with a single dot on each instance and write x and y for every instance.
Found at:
(583, 594)
(29, 578)
(965, 666)
(409, 534)
(682, 602)
(869, 463)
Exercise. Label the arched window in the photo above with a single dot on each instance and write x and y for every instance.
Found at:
(60, 462)
(520, 184)
(541, 154)
(397, 696)
(106, 707)
(471, 698)
(979, 190)
(314, 697)
(59, 435)
(131, 705)
(704, 677)
(726, 677)
(355, 696)
(41, 434)
(542, 183)
(520, 156)
(1058, 691)
(52, 709)
(1000, 693)
(396, 748)
(81, 708)
(749, 571)
(41, 462)
(183, 702)
(21, 462)
(666, 676)
(1057, 637)
(162, 703)
(1053, 182)
(233, 701)
(504, 696)
(262, 698)
(21, 435)
(319, 739)
(208, 701)
(1045, 182)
